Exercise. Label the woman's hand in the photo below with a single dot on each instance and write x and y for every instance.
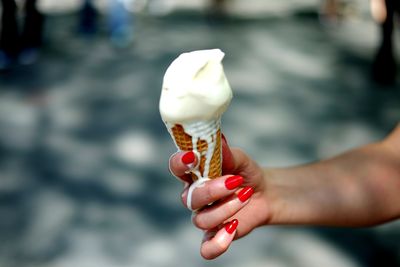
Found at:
(357, 188)
(229, 206)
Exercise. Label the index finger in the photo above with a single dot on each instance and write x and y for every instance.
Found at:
(181, 163)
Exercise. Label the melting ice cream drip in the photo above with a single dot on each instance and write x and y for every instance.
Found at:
(206, 131)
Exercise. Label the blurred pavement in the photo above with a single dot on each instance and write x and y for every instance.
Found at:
(83, 151)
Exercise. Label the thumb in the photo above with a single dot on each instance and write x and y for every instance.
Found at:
(228, 162)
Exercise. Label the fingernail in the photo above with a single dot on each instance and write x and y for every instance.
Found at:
(188, 158)
(231, 227)
(233, 182)
(245, 193)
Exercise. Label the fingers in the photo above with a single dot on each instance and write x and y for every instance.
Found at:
(217, 242)
(181, 163)
(224, 192)
(219, 200)
(213, 190)
(213, 216)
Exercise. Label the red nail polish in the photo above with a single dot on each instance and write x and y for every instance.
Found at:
(188, 158)
(245, 193)
(233, 182)
(231, 227)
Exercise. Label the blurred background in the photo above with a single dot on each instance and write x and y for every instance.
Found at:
(83, 151)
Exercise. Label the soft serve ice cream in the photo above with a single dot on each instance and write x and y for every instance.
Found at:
(194, 95)
(195, 88)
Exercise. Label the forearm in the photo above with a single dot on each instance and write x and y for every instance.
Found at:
(358, 188)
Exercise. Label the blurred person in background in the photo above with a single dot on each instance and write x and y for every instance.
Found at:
(119, 19)
(22, 46)
(9, 37)
(384, 65)
(217, 9)
(88, 18)
(383, 12)
(120, 23)
(355, 189)
(330, 11)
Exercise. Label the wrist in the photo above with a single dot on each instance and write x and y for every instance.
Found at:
(286, 196)
(273, 197)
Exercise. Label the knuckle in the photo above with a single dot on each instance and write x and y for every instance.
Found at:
(231, 207)
(198, 221)
(210, 194)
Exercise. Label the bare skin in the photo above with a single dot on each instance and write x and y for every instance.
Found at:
(355, 189)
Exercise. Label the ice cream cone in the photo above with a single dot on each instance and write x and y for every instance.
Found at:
(204, 138)
(194, 95)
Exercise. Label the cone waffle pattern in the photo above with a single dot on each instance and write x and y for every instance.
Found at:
(184, 142)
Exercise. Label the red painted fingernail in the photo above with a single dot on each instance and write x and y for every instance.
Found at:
(231, 227)
(245, 193)
(233, 182)
(188, 158)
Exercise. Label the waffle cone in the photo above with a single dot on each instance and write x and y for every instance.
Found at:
(185, 142)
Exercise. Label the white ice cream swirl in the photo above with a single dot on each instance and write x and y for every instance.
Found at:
(195, 88)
